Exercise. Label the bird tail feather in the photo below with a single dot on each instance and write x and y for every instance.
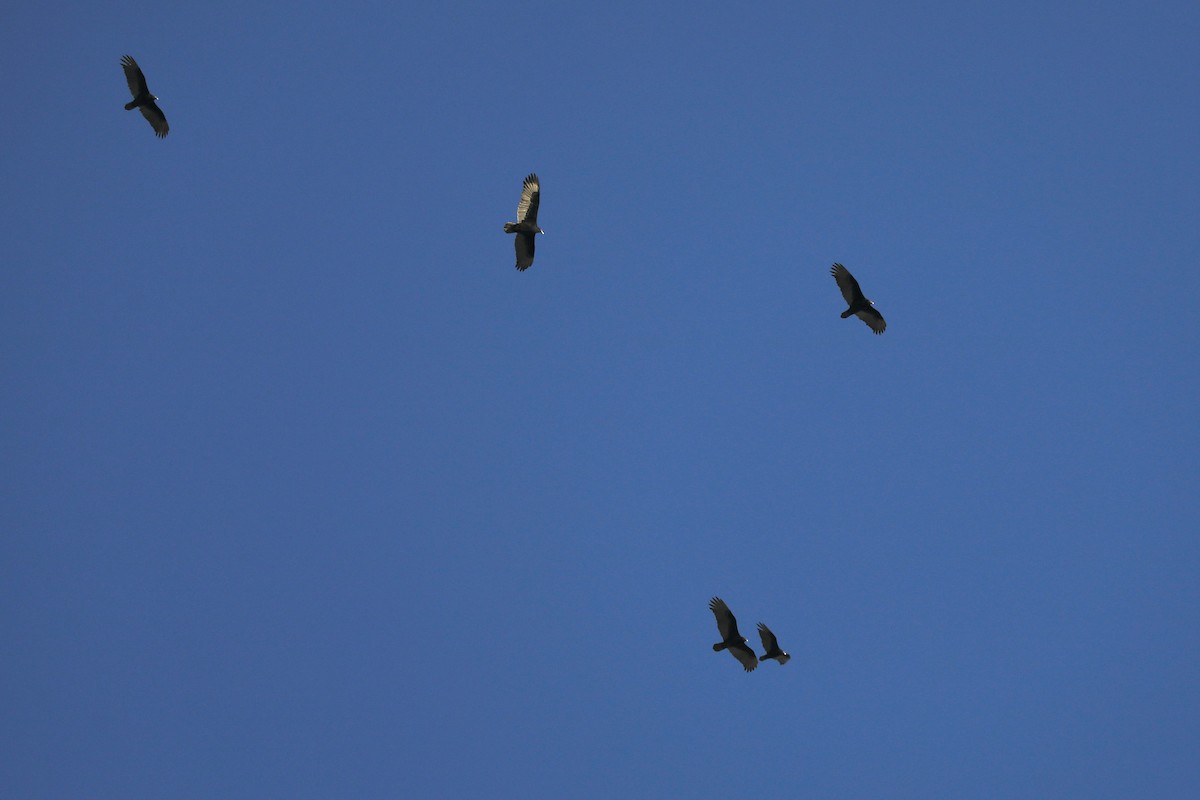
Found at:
(131, 105)
(846, 313)
(509, 227)
(718, 647)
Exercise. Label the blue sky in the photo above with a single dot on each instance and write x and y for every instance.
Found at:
(309, 493)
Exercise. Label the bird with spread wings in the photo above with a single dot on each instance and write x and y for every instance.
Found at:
(731, 640)
(142, 99)
(771, 645)
(860, 306)
(526, 227)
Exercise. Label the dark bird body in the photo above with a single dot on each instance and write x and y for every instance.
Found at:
(526, 227)
(731, 640)
(771, 645)
(860, 306)
(142, 99)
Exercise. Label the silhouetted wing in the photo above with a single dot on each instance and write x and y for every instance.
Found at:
(156, 118)
(873, 319)
(134, 76)
(847, 284)
(770, 644)
(531, 193)
(745, 655)
(525, 245)
(726, 622)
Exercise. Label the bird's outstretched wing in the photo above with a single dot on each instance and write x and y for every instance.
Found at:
(156, 118)
(726, 622)
(847, 284)
(873, 319)
(769, 642)
(525, 246)
(745, 655)
(134, 76)
(531, 194)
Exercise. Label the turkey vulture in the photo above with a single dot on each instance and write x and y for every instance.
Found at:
(731, 640)
(526, 226)
(860, 306)
(771, 646)
(142, 99)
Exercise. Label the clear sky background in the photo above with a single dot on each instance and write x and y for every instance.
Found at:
(308, 493)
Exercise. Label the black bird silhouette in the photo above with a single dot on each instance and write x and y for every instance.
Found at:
(771, 645)
(526, 226)
(731, 640)
(860, 306)
(142, 99)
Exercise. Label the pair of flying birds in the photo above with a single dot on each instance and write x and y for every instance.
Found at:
(735, 643)
(526, 228)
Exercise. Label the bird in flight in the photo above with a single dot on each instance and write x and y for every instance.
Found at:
(860, 306)
(142, 99)
(526, 226)
(731, 640)
(771, 645)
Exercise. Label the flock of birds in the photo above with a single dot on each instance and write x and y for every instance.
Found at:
(526, 228)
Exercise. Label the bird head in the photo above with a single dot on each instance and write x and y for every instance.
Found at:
(542, 232)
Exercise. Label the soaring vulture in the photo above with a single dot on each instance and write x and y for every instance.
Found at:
(731, 640)
(860, 306)
(526, 226)
(142, 99)
(771, 645)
